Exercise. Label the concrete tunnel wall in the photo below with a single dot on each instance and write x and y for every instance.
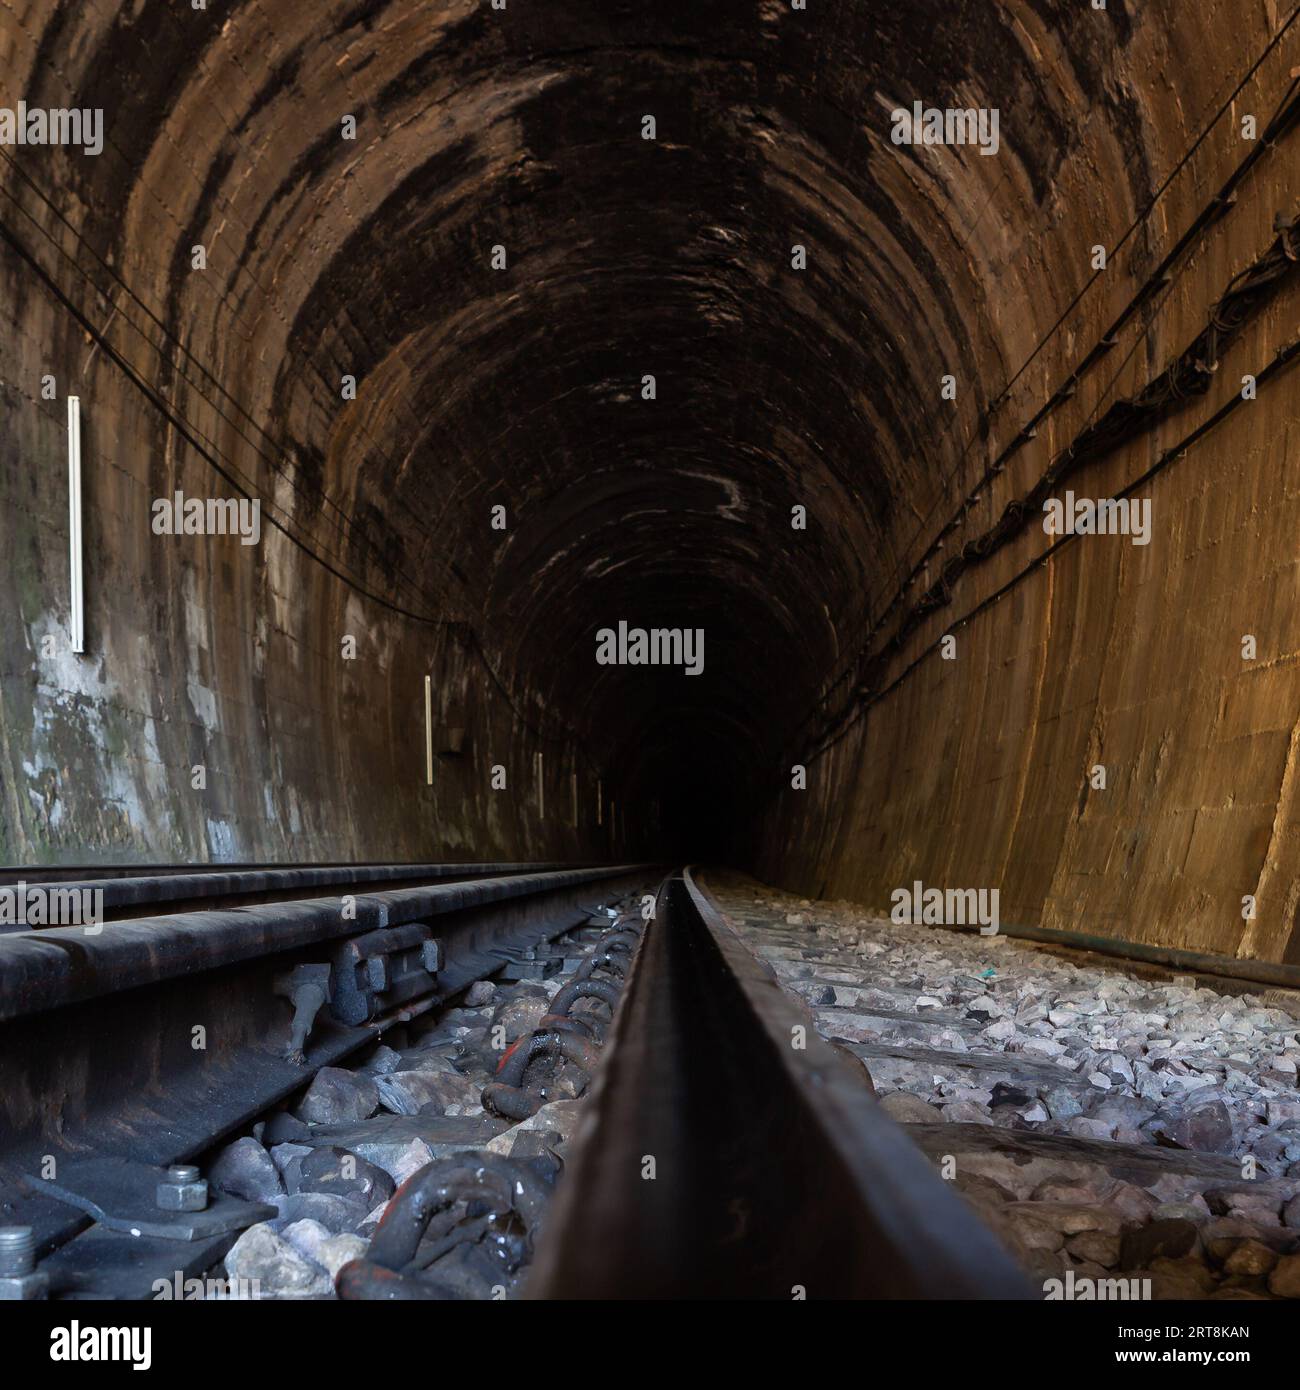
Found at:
(775, 387)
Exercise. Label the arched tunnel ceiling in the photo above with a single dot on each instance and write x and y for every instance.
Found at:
(522, 386)
(626, 257)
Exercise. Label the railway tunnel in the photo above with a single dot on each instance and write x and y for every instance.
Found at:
(854, 444)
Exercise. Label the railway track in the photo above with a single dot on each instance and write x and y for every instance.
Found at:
(1126, 1131)
(134, 1048)
(448, 1090)
(729, 1151)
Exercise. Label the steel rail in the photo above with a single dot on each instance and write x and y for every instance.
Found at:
(1284, 975)
(51, 873)
(727, 1151)
(41, 970)
(139, 892)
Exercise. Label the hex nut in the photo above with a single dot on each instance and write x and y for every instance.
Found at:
(182, 1190)
(24, 1288)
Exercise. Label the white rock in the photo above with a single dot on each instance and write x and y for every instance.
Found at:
(278, 1269)
(340, 1250)
(406, 1161)
(306, 1237)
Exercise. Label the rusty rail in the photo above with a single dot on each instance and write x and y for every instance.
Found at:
(728, 1151)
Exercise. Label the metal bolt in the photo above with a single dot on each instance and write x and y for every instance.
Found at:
(20, 1280)
(181, 1189)
(17, 1251)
